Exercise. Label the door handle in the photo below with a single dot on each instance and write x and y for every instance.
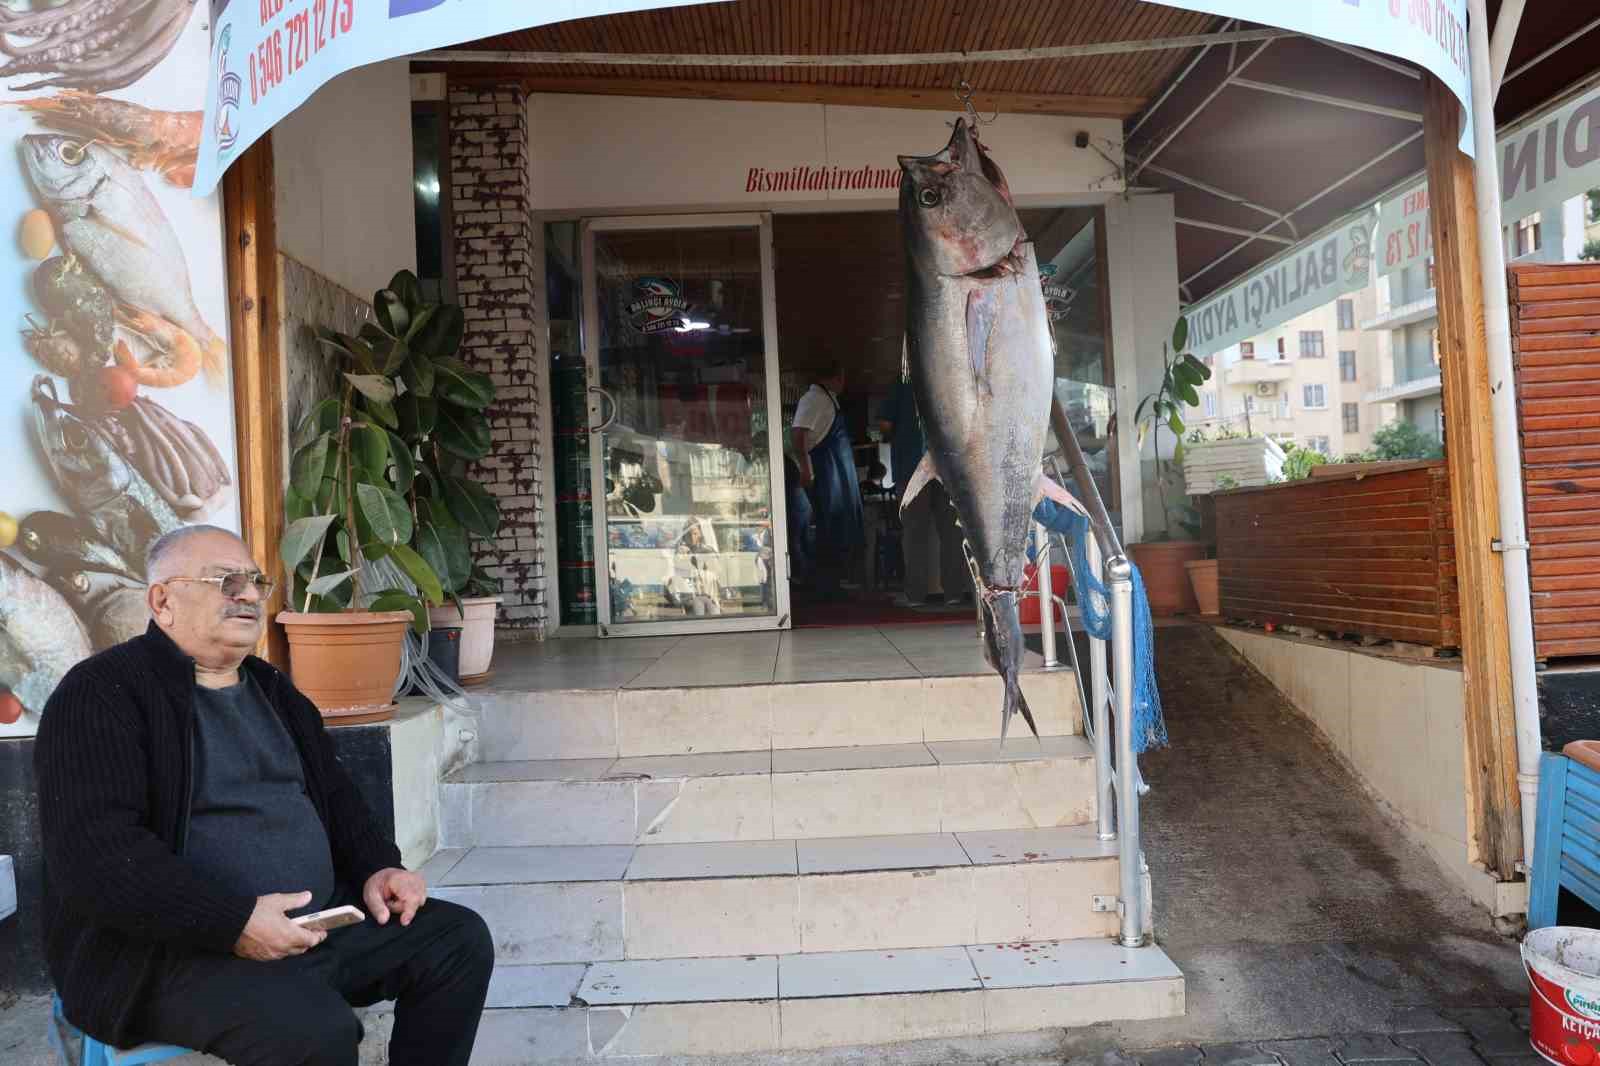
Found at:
(605, 397)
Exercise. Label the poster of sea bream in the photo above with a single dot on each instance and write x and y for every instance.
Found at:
(114, 379)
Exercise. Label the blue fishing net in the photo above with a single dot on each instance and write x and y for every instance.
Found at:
(1094, 603)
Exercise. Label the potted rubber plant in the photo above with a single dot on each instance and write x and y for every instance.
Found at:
(1162, 558)
(442, 422)
(355, 580)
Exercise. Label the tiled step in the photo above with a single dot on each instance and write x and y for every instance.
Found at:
(612, 723)
(774, 897)
(766, 1003)
(934, 787)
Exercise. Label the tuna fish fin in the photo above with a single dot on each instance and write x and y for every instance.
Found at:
(981, 313)
(920, 477)
(1043, 487)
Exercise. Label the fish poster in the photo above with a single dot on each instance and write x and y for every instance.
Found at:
(114, 372)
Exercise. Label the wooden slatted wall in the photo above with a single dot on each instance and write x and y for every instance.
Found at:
(1555, 326)
(1372, 555)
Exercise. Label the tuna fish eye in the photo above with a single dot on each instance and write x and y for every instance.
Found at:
(928, 196)
(72, 153)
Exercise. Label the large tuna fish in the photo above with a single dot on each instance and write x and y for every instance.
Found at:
(982, 370)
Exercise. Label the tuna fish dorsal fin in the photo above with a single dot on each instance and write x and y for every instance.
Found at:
(982, 308)
(920, 477)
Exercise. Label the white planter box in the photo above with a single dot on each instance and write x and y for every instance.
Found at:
(1249, 461)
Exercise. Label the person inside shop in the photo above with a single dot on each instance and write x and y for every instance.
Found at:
(827, 467)
(929, 535)
(191, 806)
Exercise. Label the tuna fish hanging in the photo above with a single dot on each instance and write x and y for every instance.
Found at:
(980, 355)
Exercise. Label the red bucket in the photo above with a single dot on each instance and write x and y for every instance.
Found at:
(1563, 965)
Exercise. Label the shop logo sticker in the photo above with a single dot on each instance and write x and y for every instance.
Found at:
(1584, 1005)
(230, 87)
(1057, 297)
(658, 305)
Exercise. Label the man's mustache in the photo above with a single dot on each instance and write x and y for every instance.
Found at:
(242, 610)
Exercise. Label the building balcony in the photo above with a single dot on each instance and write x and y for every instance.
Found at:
(1250, 371)
(1405, 314)
(1416, 389)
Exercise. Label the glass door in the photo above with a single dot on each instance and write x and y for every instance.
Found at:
(680, 340)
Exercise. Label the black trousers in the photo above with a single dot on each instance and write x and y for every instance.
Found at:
(296, 1011)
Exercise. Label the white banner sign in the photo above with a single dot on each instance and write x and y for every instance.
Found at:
(1547, 161)
(1332, 265)
(1429, 33)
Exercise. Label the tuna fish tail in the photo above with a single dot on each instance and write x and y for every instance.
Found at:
(1004, 649)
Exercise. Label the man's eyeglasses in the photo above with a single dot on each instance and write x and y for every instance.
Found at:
(234, 582)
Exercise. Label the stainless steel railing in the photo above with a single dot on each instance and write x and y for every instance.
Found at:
(1110, 689)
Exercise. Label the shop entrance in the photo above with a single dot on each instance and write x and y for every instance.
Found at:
(679, 350)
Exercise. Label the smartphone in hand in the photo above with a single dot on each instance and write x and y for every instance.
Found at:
(336, 918)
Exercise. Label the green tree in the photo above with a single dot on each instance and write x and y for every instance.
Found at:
(1591, 249)
(1403, 440)
(1298, 461)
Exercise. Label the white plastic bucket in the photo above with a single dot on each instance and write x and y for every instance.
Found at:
(1563, 966)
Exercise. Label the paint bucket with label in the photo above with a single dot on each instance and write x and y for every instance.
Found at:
(1563, 964)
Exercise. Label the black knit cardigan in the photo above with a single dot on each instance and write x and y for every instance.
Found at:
(114, 761)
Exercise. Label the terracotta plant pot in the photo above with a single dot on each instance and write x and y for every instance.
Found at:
(1165, 581)
(1203, 577)
(346, 664)
(477, 631)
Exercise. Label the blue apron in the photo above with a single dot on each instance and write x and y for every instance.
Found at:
(836, 492)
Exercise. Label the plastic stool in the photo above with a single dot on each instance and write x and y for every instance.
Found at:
(97, 1054)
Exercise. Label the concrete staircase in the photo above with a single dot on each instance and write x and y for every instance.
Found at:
(749, 868)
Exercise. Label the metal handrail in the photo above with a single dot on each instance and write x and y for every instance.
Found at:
(1116, 785)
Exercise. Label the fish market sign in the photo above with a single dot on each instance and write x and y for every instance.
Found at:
(657, 306)
(1057, 296)
(269, 56)
(1429, 33)
(1546, 161)
(1308, 277)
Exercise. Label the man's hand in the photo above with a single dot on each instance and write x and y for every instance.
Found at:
(269, 936)
(807, 475)
(394, 891)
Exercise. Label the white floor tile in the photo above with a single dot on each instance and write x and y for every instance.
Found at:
(709, 764)
(866, 757)
(536, 865)
(911, 851)
(698, 673)
(534, 770)
(996, 846)
(1015, 749)
(680, 980)
(575, 673)
(440, 864)
(841, 668)
(1068, 962)
(748, 858)
(534, 986)
(875, 973)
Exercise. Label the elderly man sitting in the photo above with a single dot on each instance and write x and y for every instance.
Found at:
(191, 805)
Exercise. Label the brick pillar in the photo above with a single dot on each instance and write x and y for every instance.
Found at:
(494, 242)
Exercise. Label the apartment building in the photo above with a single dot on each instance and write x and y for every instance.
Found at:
(1303, 382)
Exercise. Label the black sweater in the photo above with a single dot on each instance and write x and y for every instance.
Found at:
(114, 761)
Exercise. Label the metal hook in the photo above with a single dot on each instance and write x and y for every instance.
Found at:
(965, 93)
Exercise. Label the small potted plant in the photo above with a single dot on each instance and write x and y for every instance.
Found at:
(348, 546)
(444, 428)
(1161, 558)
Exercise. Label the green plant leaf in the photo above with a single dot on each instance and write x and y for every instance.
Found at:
(420, 573)
(442, 336)
(472, 505)
(1175, 423)
(341, 544)
(383, 413)
(302, 536)
(1184, 374)
(405, 285)
(395, 356)
(418, 374)
(1199, 367)
(369, 448)
(308, 466)
(391, 312)
(295, 504)
(460, 384)
(395, 600)
(326, 583)
(420, 317)
(386, 516)
(405, 464)
(373, 335)
(462, 432)
(322, 418)
(374, 387)
(1187, 393)
(446, 550)
(417, 415)
(1180, 334)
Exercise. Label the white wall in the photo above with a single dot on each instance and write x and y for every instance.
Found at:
(1142, 269)
(1400, 725)
(343, 174)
